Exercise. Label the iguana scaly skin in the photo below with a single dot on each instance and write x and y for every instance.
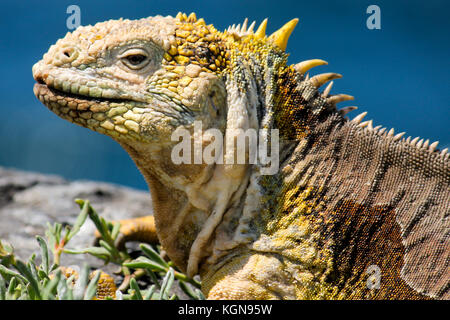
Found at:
(348, 197)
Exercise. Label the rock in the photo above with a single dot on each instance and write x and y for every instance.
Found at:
(28, 201)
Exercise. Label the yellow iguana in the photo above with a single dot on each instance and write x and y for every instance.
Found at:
(353, 211)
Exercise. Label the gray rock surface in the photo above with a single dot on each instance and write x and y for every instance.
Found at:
(28, 201)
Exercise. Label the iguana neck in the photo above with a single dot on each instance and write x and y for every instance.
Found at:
(193, 200)
(292, 105)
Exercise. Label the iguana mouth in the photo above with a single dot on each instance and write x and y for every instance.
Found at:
(69, 105)
(113, 117)
(42, 88)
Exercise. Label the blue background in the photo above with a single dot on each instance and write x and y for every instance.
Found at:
(399, 74)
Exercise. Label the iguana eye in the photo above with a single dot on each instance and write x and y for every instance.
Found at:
(135, 59)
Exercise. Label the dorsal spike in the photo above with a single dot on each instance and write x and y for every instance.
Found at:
(250, 28)
(370, 125)
(359, 117)
(376, 128)
(304, 66)
(444, 152)
(364, 124)
(179, 16)
(192, 17)
(419, 144)
(281, 36)
(408, 140)
(339, 98)
(201, 21)
(391, 132)
(327, 90)
(261, 32)
(244, 25)
(398, 136)
(322, 78)
(433, 145)
(413, 141)
(425, 144)
(346, 110)
(382, 130)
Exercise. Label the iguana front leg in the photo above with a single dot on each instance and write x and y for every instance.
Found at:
(137, 229)
(140, 229)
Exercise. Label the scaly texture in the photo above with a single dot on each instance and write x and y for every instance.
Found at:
(348, 197)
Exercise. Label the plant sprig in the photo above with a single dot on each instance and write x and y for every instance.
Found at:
(48, 280)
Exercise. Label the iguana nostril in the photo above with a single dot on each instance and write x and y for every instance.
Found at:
(68, 54)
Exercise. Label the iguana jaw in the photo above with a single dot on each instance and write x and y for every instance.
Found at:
(82, 110)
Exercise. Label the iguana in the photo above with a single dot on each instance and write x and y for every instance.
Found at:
(348, 200)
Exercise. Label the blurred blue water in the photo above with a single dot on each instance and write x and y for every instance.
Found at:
(399, 74)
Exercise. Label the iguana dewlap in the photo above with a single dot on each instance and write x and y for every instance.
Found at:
(349, 199)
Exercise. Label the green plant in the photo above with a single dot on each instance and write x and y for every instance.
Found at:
(49, 281)
(41, 282)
